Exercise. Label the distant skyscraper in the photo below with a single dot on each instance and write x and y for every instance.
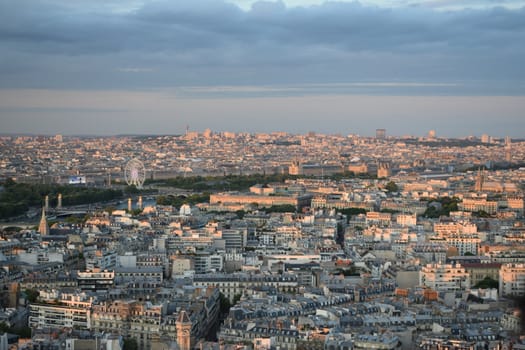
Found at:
(380, 134)
(432, 134)
(46, 203)
(508, 148)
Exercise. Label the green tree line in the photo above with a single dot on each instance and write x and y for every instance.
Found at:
(177, 201)
(221, 183)
(16, 198)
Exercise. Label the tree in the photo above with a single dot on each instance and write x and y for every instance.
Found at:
(24, 332)
(487, 283)
(224, 304)
(392, 187)
(481, 214)
(132, 189)
(130, 344)
(136, 212)
(236, 298)
(441, 207)
(32, 295)
(281, 208)
(352, 212)
(110, 209)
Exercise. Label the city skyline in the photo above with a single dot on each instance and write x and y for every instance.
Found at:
(153, 67)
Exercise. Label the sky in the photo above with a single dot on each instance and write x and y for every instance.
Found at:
(108, 67)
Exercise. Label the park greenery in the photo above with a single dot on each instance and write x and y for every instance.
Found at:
(391, 187)
(178, 201)
(220, 183)
(349, 212)
(22, 332)
(487, 283)
(441, 207)
(352, 175)
(281, 208)
(16, 198)
(238, 182)
(130, 344)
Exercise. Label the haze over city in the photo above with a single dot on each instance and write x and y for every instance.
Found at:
(262, 175)
(154, 67)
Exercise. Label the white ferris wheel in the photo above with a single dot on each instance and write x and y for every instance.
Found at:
(135, 173)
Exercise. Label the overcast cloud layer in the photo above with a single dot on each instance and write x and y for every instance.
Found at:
(243, 49)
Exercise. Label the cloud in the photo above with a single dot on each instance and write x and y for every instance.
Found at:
(57, 44)
(135, 70)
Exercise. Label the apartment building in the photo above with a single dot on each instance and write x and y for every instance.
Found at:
(61, 310)
(444, 277)
(512, 280)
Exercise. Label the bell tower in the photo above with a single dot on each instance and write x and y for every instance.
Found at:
(183, 325)
(43, 228)
(480, 179)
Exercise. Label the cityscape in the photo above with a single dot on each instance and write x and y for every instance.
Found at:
(222, 240)
(262, 175)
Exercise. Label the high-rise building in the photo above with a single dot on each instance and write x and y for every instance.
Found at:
(380, 134)
(508, 148)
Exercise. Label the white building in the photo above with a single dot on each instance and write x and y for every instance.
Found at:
(406, 219)
(61, 310)
(512, 280)
(444, 277)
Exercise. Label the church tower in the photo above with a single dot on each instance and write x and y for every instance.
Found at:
(43, 228)
(480, 179)
(183, 325)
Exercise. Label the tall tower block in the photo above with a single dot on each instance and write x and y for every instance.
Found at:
(508, 149)
(380, 134)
